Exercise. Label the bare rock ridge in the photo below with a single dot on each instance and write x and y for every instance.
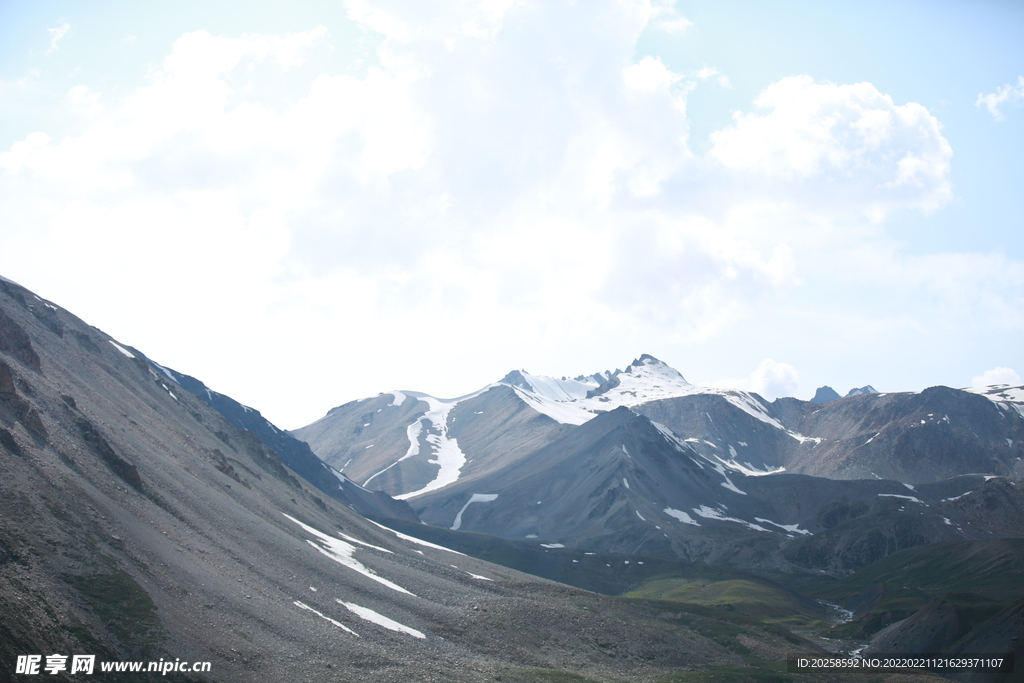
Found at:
(138, 523)
(296, 454)
(824, 395)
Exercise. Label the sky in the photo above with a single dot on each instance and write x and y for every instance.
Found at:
(305, 203)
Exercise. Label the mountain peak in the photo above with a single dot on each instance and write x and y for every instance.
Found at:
(516, 378)
(825, 394)
(649, 366)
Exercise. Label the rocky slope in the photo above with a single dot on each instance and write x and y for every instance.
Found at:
(295, 454)
(136, 522)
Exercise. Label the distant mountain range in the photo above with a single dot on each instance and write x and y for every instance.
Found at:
(640, 460)
(826, 393)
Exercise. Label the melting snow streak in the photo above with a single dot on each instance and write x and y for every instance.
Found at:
(417, 541)
(323, 616)
(379, 619)
(681, 516)
(793, 528)
(912, 499)
(123, 350)
(343, 553)
(475, 498)
(450, 457)
(413, 433)
(711, 513)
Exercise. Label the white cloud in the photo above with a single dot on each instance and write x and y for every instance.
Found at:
(431, 21)
(1002, 95)
(56, 34)
(850, 145)
(665, 17)
(649, 75)
(505, 184)
(997, 375)
(710, 72)
(770, 379)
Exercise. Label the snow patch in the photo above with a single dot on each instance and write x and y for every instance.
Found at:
(413, 539)
(552, 388)
(792, 528)
(412, 432)
(681, 516)
(718, 467)
(748, 469)
(398, 400)
(365, 544)
(475, 498)
(1003, 395)
(345, 480)
(344, 554)
(449, 457)
(711, 513)
(564, 412)
(123, 350)
(625, 482)
(170, 375)
(551, 545)
(912, 499)
(379, 619)
(340, 625)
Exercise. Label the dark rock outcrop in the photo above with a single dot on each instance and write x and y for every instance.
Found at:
(15, 341)
(824, 395)
(99, 445)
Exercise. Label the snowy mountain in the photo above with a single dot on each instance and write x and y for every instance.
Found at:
(640, 460)
(409, 443)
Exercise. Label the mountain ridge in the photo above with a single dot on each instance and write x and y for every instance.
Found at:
(645, 462)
